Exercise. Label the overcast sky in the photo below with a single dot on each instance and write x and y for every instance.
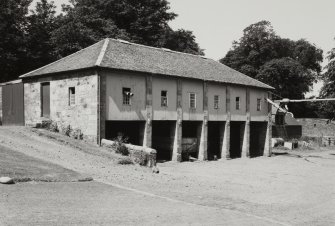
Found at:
(216, 23)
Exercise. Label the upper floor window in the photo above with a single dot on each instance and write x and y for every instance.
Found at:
(126, 94)
(164, 98)
(216, 101)
(237, 100)
(193, 100)
(72, 96)
(259, 106)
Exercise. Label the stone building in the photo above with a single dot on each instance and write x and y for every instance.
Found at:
(180, 104)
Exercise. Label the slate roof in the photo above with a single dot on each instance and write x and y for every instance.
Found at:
(122, 55)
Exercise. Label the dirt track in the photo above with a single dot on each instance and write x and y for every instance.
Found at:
(283, 189)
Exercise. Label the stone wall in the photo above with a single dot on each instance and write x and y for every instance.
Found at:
(83, 115)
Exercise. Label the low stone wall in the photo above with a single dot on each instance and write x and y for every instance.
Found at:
(142, 155)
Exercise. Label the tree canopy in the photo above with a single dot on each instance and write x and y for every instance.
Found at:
(41, 23)
(145, 22)
(328, 89)
(31, 39)
(287, 65)
(13, 29)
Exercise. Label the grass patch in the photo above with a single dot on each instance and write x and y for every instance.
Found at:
(125, 161)
(23, 168)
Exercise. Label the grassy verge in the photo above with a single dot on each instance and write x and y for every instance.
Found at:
(23, 168)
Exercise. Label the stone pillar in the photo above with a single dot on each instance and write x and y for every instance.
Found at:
(147, 140)
(268, 139)
(203, 146)
(225, 151)
(246, 136)
(177, 143)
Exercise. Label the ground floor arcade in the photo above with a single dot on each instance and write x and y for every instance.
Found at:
(204, 140)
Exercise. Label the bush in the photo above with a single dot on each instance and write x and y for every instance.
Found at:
(66, 130)
(76, 134)
(125, 161)
(140, 157)
(53, 127)
(119, 146)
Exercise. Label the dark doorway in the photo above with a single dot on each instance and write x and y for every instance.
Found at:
(257, 138)
(45, 97)
(215, 139)
(191, 133)
(162, 138)
(13, 104)
(236, 139)
(133, 130)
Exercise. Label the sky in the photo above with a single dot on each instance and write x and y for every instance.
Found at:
(217, 23)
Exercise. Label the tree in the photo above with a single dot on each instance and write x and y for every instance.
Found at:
(13, 24)
(182, 40)
(287, 65)
(144, 22)
(36, 39)
(81, 26)
(41, 25)
(287, 76)
(328, 89)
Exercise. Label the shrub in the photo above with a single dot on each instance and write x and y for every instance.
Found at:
(53, 127)
(76, 134)
(119, 146)
(66, 130)
(125, 161)
(140, 157)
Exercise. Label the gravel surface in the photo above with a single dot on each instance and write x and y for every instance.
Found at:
(288, 190)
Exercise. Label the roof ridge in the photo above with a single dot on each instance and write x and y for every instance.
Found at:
(158, 48)
(59, 60)
(102, 52)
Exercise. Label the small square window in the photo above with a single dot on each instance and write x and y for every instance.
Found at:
(259, 104)
(126, 96)
(164, 98)
(216, 101)
(193, 100)
(72, 96)
(237, 103)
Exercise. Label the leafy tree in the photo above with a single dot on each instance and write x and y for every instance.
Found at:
(41, 25)
(328, 89)
(33, 40)
(287, 76)
(182, 40)
(13, 24)
(81, 26)
(144, 22)
(287, 65)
